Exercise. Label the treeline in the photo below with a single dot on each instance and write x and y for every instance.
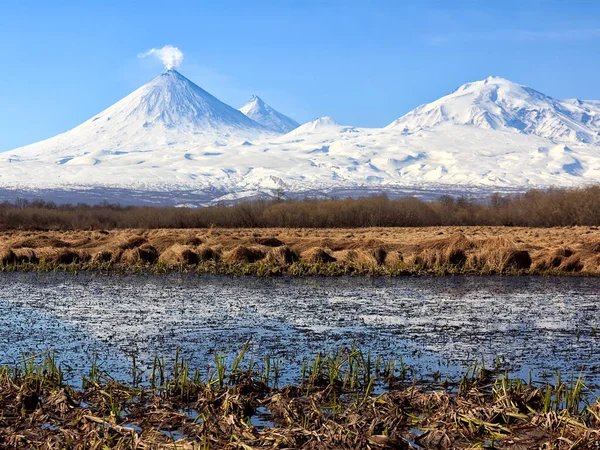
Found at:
(531, 209)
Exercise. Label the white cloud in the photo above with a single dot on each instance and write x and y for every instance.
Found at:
(170, 56)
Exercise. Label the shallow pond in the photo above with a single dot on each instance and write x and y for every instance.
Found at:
(435, 324)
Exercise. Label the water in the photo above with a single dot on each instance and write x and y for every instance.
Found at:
(435, 324)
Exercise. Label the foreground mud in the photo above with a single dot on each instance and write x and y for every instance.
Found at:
(334, 406)
(371, 251)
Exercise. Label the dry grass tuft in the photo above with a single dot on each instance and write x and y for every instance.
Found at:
(553, 259)
(572, 264)
(244, 255)
(394, 258)
(440, 254)
(283, 256)
(498, 255)
(7, 256)
(206, 253)
(446, 252)
(357, 258)
(25, 256)
(103, 256)
(129, 257)
(379, 254)
(179, 254)
(515, 259)
(163, 241)
(269, 241)
(193, 241)
(145, 254)
(456, 241)
(58, 255)
(133, 242)
(317, 255)
(40, 241)
(499, 260)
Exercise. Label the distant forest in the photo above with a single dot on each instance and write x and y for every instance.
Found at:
(564, 207)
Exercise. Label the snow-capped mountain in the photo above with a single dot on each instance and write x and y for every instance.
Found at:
(168, 111)
(170, 142)
(271, 119)
(499, 104)
(321, 125)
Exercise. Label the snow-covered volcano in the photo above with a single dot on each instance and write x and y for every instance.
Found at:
(172, 142)
(262, 113)
(168, 111)
(499, 104)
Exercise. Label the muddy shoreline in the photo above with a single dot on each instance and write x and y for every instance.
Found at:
(334, 406)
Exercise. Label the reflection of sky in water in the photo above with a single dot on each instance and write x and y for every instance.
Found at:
(433, 323)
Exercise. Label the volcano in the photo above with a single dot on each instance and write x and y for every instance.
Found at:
(262, 113)
(169, 110)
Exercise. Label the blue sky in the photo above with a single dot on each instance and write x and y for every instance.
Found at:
(364, 63)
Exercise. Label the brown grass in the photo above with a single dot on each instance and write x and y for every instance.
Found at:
(144, 254)
(25, 255)
(244, 255)
(206, 253)
(283, 256)
(439, 250)
(179, 254)
(317, 255)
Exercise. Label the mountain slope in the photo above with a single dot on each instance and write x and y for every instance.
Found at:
(499, 104)
(169, 110)
(271, 119)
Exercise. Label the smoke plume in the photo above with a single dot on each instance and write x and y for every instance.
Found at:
(170, 56)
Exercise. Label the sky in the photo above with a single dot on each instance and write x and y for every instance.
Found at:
(364, 63)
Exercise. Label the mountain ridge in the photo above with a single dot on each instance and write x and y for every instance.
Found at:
(170, 136)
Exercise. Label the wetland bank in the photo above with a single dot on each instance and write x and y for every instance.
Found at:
(448, 250)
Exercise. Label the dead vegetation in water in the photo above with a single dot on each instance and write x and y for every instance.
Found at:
(369, 251)
(235, 406)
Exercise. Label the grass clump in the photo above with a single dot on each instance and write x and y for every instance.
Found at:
(317, 255)
(244, 255)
